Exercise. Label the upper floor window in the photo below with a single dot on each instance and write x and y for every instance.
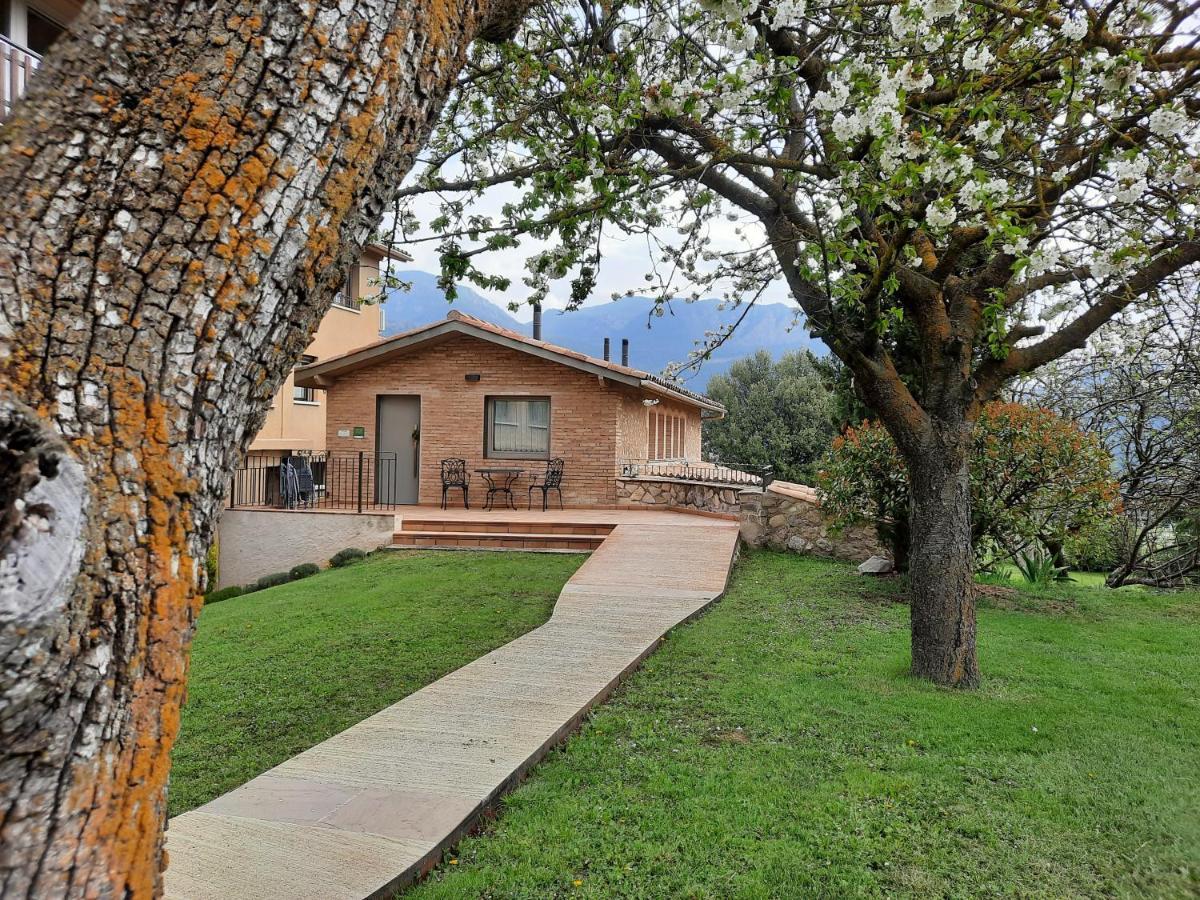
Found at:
(518, 427)
(304, 394)
(345, 297)
(42, 31)
(667, 436)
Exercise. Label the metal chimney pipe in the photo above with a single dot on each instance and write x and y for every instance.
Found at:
(537, 321)
(606, 351)
(625, 351)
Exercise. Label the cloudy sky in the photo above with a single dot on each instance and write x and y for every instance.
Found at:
(625, 264)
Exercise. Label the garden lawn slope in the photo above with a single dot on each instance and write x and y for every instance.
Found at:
(777, 748)
(277, 671)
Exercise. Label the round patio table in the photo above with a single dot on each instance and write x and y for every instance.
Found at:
(493, 475)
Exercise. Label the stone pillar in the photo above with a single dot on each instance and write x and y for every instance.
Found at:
(753, 520)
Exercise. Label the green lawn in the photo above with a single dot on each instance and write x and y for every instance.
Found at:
(277, 671)
(777, 748)
(1082, 579)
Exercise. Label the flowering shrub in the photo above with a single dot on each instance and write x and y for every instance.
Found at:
(1034, 478)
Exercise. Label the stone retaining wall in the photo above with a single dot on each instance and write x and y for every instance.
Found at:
(671, 492)
(788, 516)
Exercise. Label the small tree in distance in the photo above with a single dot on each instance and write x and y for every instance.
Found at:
(779, 414)
(1036, 479)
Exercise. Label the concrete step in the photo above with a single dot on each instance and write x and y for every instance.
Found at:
(503, 526)
(582, 543)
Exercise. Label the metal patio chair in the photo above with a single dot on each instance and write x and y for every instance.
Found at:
(550, 481)
(454, 475)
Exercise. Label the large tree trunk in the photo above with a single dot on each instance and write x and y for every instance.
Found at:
(941, 582)
(184, 188)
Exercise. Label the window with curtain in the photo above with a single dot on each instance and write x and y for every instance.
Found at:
(518, 427)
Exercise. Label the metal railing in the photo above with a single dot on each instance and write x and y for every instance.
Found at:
(697, 471)
(353, 481)
(17, 65)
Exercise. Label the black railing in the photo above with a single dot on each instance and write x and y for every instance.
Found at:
(352, 481)
(697, 471)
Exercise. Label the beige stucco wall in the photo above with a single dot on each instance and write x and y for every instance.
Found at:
(296, 425)
(260, 542)
(633, 426)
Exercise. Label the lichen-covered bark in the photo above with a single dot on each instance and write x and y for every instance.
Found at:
(184, 187)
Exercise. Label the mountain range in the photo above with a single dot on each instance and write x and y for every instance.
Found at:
(655, 341)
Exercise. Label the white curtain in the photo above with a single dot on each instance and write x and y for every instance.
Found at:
(521, 426)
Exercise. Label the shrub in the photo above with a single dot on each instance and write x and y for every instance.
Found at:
(779, 415)
(273, 580)
(304, 570)
(346, 557)
(223, 594)
(1038, 567)
(1034, 477)
(211, 569)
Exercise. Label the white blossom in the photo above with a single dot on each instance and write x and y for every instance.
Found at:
(941, 214)
(1075, 28)
(1042, 260)
(977, 59)
(788, 13)
(911, 82)
(1167, 121)
(847, 128)
(1186, 174)
(834, 97)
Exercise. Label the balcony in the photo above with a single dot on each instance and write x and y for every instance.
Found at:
(17, 65)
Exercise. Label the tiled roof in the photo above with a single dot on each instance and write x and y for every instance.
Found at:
(515, 336)
(582, 357)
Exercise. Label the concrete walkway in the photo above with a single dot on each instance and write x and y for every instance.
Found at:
(373, 808)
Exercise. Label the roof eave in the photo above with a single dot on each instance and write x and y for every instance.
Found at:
(322, 374)
(387, 252)
(701, 402)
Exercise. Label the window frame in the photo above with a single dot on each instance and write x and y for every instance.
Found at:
(302, 395)
(668, 430)
(489, 414)
(344, 298)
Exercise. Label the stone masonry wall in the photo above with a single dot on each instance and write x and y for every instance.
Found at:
(667, 492)
(788, 516)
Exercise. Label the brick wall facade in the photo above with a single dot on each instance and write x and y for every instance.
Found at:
(593, 423)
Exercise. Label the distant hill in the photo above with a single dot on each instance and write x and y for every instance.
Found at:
(655, 342)
(426, 303)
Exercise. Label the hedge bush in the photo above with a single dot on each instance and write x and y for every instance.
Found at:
(223, 594)
(346, 557)
(273, 580)
(304, 570)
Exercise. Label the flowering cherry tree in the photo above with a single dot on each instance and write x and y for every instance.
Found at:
(954, 192)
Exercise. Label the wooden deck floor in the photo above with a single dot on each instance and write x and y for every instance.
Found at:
(372, 809)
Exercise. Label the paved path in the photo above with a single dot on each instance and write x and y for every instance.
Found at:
(373, 808)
